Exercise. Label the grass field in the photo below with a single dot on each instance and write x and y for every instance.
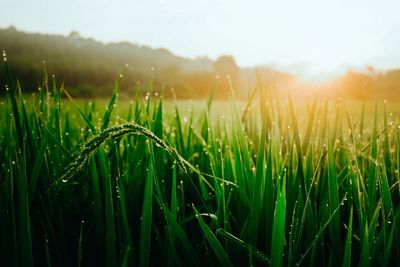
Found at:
(162, 183)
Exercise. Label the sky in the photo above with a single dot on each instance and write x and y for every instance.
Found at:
(313, 36)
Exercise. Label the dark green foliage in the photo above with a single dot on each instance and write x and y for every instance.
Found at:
(156, 186)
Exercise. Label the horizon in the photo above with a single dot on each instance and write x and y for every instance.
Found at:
(299, 70)
(303, 39)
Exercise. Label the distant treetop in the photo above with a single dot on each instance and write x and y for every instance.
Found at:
(74, 34)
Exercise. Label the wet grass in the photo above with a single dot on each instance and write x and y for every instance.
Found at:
(280, 183)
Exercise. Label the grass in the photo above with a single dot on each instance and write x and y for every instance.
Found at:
(279, 183)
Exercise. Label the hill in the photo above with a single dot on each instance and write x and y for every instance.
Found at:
(89, 68)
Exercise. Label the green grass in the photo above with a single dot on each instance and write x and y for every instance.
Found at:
(277, 183)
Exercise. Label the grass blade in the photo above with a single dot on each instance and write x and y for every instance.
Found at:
(278, 232)
(213, 241)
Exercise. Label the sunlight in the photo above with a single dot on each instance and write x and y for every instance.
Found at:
(199, 133)
(323, 34)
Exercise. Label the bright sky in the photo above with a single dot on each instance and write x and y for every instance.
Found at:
(324, 35)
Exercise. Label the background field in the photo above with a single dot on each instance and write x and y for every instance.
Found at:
(88, 68)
